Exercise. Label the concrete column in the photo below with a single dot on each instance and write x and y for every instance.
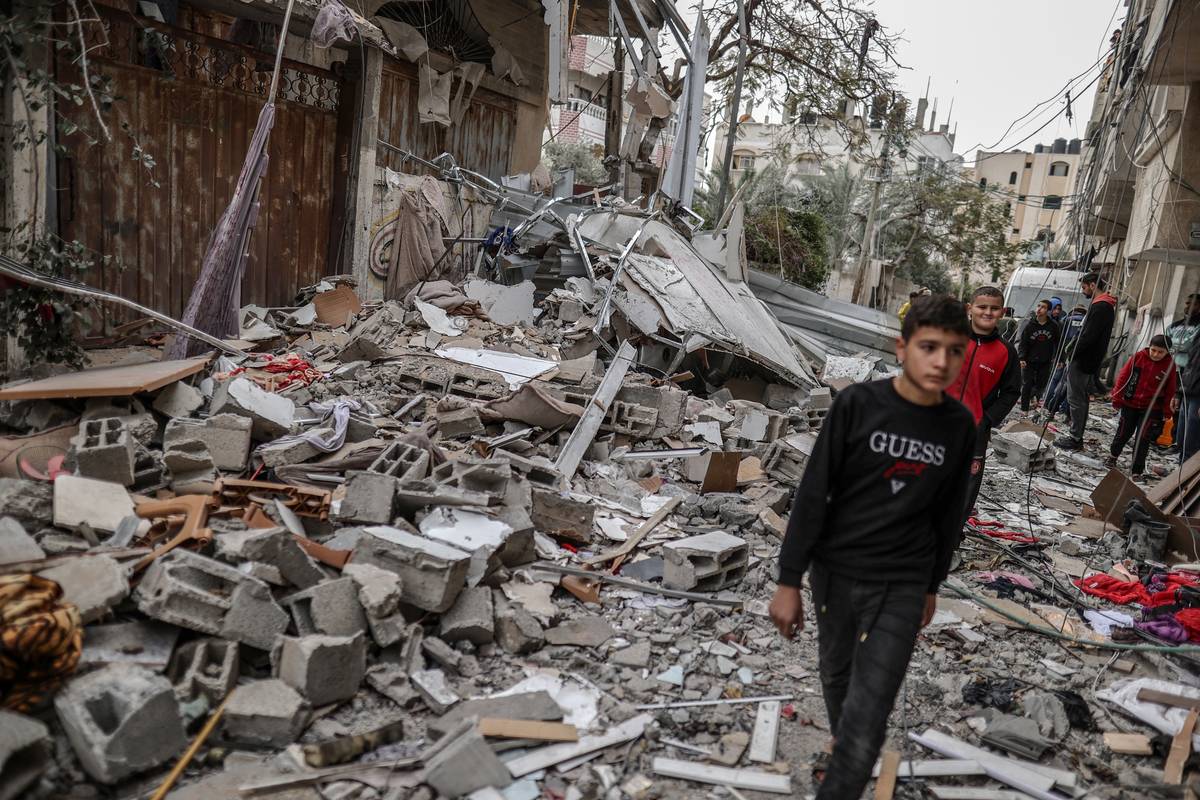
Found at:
(362, 167)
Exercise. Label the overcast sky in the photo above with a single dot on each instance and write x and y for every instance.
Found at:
(997, 60)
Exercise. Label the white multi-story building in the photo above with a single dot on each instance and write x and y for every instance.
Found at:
(1037, 187)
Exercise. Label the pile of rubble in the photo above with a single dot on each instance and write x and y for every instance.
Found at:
(505, 540)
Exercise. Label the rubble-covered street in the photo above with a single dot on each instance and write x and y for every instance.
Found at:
(461, 545)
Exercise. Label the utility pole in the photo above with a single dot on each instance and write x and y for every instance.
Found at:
(864, 256)
(734, 107)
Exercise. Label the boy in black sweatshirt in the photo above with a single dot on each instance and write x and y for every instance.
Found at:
(877, 516)
(1036, 350)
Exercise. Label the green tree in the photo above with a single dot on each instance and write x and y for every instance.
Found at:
(564, 155)
(793, 239)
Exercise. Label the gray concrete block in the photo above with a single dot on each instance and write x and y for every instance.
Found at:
(201, 594)
(432, 687)
(465, 765)
(271, 415)
(705, 563)
(370, 498)
(459, 423)
(284, 452)
(517, 631)
(104, 450)
(30, 503)
(99, 504)
(204, 668)
(538, 705)
(191, 466)
(487, 476)
(25, 749)
(93, 583)
(15, 544)
(226, 435)
(557, 514)
(431, 573)
(471, 618)
(121, 720)
(276, 547)
(378, 589)
(330, 607)
(324, 669)
(402, 461)
(178, 399)
(268, 713)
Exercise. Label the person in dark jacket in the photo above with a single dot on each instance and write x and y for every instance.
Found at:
(1036, 351)
(875, 522)
(1187, 404)
(990, 381)
(1143, 393)
(1090, 349)
(1056, 392)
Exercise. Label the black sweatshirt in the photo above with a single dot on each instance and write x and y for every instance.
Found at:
(883, 493)
(1039, 341)
(1092, 344)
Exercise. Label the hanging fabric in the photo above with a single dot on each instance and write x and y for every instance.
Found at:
(433, 97)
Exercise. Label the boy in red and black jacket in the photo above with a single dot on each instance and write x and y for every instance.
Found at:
(990, 381)
(1142, 394)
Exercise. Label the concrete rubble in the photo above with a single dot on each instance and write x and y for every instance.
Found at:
(431, 555)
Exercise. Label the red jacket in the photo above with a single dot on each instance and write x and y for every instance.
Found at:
(989, 382)
(1138, 384)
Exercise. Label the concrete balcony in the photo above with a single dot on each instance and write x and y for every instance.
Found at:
(579, 121)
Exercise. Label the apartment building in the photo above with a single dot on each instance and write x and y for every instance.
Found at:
(1038, 187)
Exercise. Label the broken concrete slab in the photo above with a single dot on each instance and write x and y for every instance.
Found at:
(93, 583)
(324, 669)
(517, 631)
(708, 562)
(25, 750)
(191, 466)
(491, 542)
(370, 498)
(204, 668)
(30, 503)
(459, 423)
(471, 618)
(432, 687)
(121, 720)
(144, 642)
(202, 594)
(179, 399)
(276, 547)
(268, 712)
(637, 655)
(582, 632)
(100, 504)
(538, 705)
(330, 607)
(15, 544)
(431, 573)
(448, 773)
(378, 589)
(271, 415)
(227, 437)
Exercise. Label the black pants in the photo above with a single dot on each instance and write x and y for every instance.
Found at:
(1130, 423)
(1033, 381)
(866, 633)
(1079, 383)
(983, 435)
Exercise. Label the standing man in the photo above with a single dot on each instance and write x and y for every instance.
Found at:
(875, 522)
(907, 305)
(1090, 349)
(1183, 333)
(1056, 392)
(990, 381)
(1036, 349)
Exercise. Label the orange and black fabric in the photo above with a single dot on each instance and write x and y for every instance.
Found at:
(41, 638)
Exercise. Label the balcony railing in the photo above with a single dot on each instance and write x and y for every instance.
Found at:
(577, 105)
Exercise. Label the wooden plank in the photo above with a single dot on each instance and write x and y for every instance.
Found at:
(635, 538)
(1169, 486)
(766, 732)
(885, 784)
(753, 780)
(557, 753)
(528, 729)
(1181, 748)
(1131, 744)
(1090, 528)
(1168, 699)
(107, 381)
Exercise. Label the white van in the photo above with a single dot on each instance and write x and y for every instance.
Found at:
(1028, 285)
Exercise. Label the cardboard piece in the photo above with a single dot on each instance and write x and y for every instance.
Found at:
(1113, 494)
(333, 307)
(107, 381)
(722, 472)
(528, 729)
(1181, 748)
(1130, 744)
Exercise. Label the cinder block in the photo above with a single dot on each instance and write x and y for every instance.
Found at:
(324, 669)
(488, 476)
(121, 720)
(268, 713)
(104, 450)
(370, 498)
(227, 437)
(820, 398)
(276, 547)
(705, 563)
(271, 415)
(201, 594)
(191, 465)
(491, 541)
(431, 573)
(25, 749)
(204, 667)
(471, 618)
(402, 461)
(287, 451)
(459, 423)
(330, 607)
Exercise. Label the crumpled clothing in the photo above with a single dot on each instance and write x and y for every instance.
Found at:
(336, 410)
(1114, 590)
(420, 220)
(446, 296)
(1103, 622)
(995, 694)
(1166, 628)
(41, 639)
(292, 369)
(1013, 577)
(334, 23)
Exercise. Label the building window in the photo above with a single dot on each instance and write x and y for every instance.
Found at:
(982, 183)
(1020, 198)
(1028, 165)
(1059, 169)
(1008, 207)
(1016, 230)
(1012, 178)
(1052, 201)
(743, 162)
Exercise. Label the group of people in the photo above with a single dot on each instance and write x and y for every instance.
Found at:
(898, 465)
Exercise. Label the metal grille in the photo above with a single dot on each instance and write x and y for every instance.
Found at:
(182, 54)
(449, 26)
